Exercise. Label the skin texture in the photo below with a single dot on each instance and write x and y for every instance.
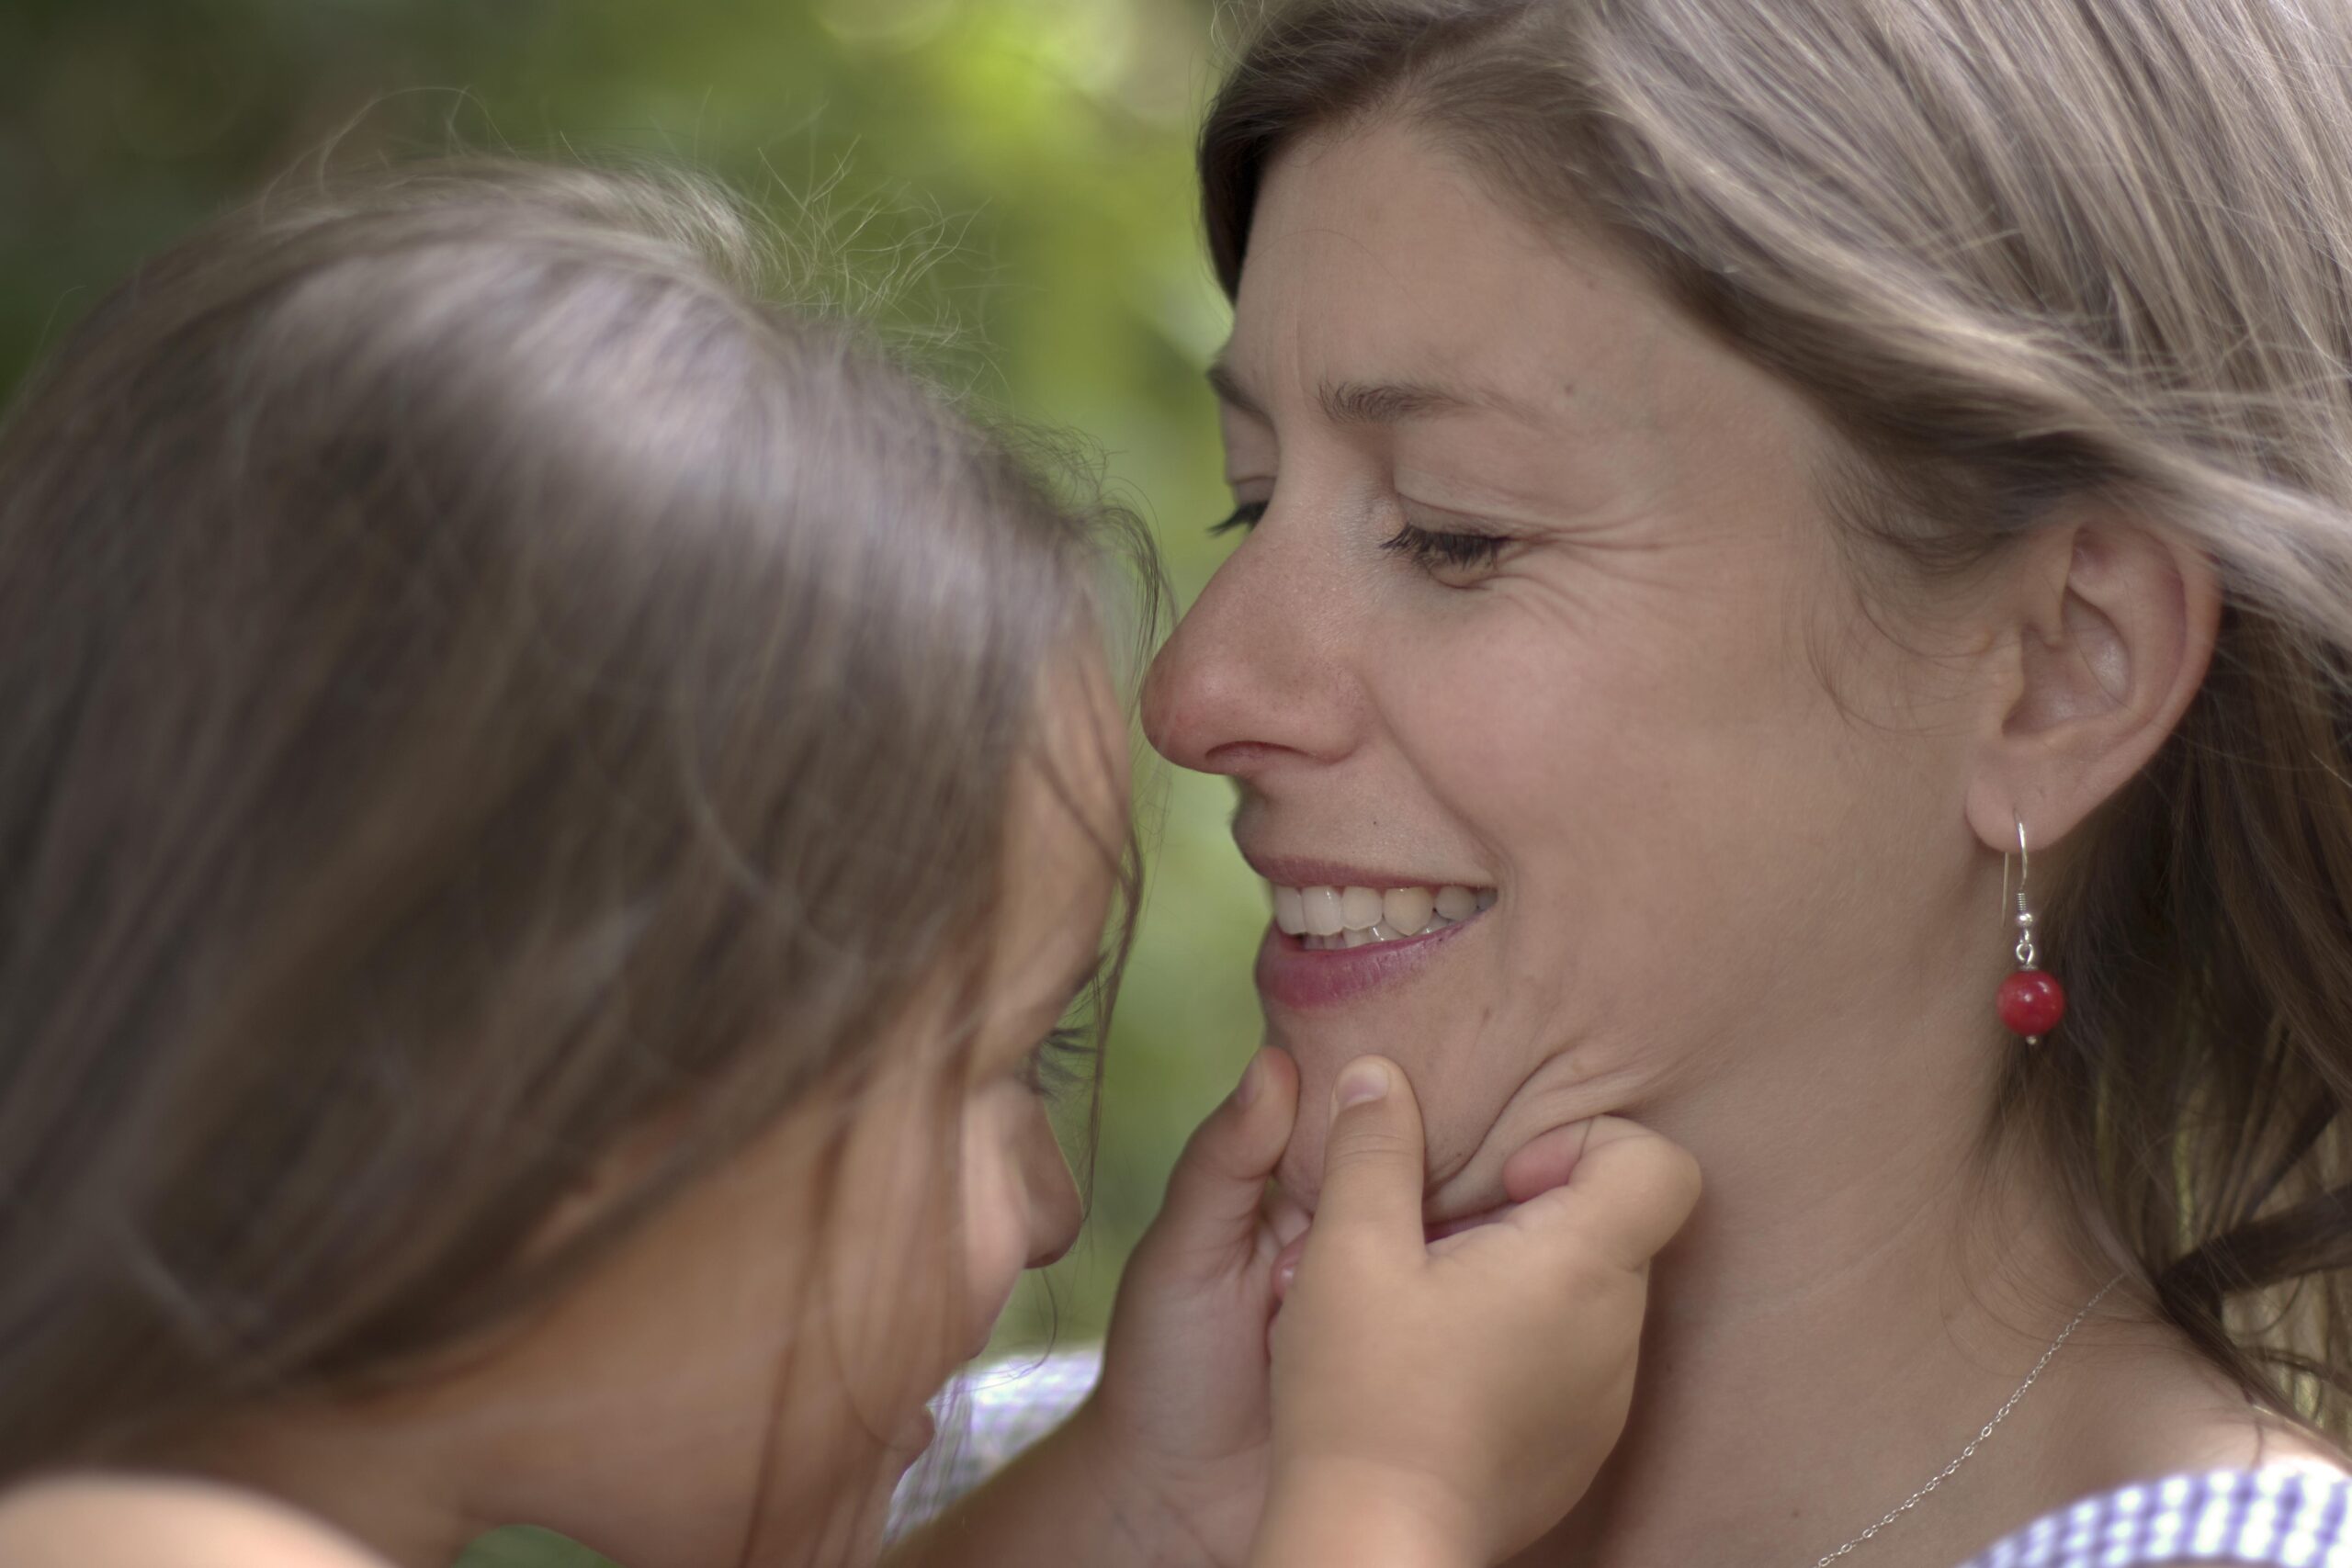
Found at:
(743, 1381)
(1747, 824)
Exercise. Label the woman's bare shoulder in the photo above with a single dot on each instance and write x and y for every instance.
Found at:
(2149, 1405)
(2235, 1436)
(133, 1521)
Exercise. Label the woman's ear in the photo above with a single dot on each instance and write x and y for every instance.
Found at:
(2110, 629)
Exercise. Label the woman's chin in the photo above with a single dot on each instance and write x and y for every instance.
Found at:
(1468, 1184)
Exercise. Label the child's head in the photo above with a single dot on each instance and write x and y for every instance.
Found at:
(545, 805)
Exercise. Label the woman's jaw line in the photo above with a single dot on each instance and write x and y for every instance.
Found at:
(1466, 1182)
(1463, 1195)
(1471, 1146)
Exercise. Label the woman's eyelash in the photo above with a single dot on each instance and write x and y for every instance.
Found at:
(1432, 549)
(1424, 547)
(1063, 1061)
(1246, 515)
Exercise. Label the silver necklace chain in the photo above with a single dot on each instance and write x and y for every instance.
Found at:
(1969, 1452)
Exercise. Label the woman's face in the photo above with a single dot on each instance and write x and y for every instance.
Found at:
(1541, 605)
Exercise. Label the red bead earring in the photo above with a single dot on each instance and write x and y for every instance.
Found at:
(2031, 1001)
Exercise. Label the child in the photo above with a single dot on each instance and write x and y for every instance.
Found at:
(553, 812)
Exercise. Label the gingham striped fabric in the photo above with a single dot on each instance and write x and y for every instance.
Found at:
(2287, 1518)
(985, 1418)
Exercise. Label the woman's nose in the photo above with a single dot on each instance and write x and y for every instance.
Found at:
(1256, 671)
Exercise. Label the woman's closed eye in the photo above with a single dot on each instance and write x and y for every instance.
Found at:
(1442, 553)
(1249, 515)
(1437, 550)
(1064, 1061)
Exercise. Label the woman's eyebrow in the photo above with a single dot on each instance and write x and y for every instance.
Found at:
(1230, 392)
(1386, 402)
(1373, 402)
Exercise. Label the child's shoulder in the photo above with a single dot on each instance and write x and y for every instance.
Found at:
(137, 1521)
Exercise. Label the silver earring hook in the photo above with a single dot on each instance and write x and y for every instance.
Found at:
(2006, 917)
(2026, 952)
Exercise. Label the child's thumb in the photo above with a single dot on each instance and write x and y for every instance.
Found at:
(1372, 1157)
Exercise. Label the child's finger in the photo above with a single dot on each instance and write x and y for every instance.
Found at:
(1545, 1161)
(1372, 1159)
(1286, 1266)
(1628, 1193)
(1217, 1190)
(1286, 1221)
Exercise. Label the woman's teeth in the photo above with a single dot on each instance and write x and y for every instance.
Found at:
(1324, 918)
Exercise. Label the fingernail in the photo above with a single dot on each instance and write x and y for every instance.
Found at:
(1363, 1082)
(1247, 1089)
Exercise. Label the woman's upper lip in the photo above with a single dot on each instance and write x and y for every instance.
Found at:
(1299, 871)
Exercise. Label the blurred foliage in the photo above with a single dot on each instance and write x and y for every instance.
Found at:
(1007, 182)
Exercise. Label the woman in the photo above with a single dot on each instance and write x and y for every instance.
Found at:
(1781, 516)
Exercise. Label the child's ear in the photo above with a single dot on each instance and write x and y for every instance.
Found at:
(2109, 624)
(607, 1180)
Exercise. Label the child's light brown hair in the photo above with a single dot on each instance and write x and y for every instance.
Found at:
(473, 679)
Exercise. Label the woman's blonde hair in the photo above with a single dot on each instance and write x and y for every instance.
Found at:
(2018, 252)
(475, 678)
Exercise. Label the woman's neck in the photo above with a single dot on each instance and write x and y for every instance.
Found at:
(1852, 1302)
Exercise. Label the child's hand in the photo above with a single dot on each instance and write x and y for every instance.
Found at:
(1181, 1423)
(1166, 1462)
(1446, 1403)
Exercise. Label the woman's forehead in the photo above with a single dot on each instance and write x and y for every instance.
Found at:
(1382, 272)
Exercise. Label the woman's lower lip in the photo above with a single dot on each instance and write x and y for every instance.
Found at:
(1291, 976)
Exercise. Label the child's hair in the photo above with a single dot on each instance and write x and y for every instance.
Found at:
(473, 679)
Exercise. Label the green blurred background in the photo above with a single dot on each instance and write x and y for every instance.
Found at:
(1008, 181)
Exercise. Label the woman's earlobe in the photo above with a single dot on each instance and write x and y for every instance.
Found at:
(2110, 650)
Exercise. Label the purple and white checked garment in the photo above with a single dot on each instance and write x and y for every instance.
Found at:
(985, 1418)
(2284, 1516)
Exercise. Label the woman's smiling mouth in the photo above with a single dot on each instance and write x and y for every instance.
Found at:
(1328, 918)
(1338, 932)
